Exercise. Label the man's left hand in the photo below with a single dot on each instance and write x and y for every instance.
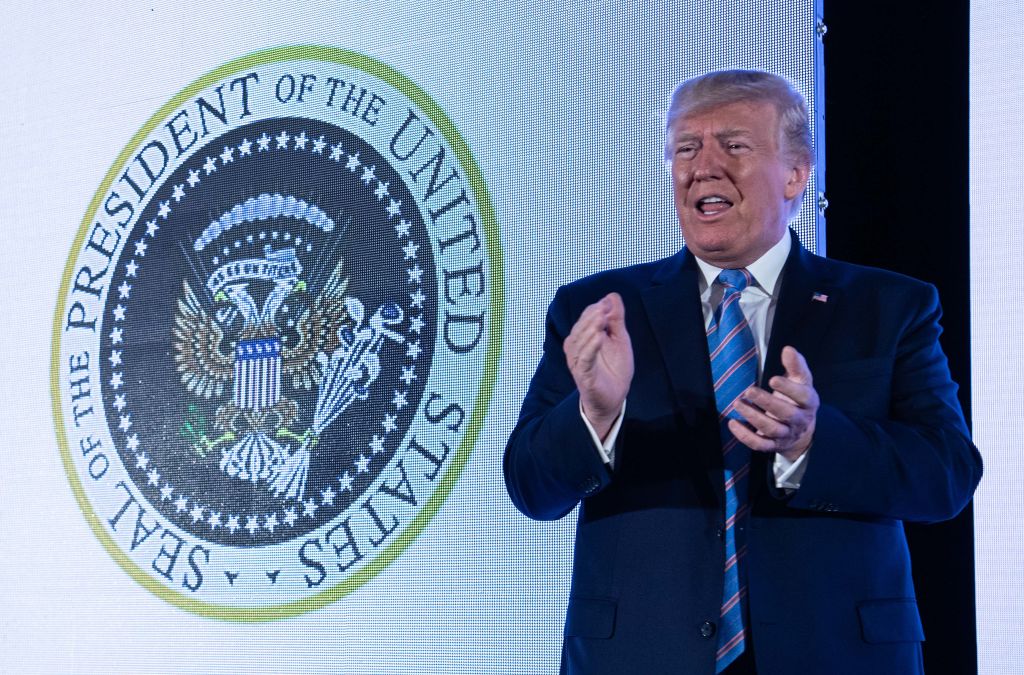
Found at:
(781, 421)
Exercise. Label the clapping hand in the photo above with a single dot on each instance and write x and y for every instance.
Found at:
(600, 357)
(781, 421)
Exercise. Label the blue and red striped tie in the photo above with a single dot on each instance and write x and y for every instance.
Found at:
(733, 369)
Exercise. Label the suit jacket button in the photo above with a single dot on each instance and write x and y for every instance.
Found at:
(707, 629)
(720, 533)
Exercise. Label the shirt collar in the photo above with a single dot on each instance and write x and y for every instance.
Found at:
(765, 270)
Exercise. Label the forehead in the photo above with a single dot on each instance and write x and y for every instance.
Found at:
(755, 118)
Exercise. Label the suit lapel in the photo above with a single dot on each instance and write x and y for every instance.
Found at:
(807, 299)
(676, 319)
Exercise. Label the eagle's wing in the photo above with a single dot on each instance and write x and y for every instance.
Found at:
(318, 333)
(205, 370)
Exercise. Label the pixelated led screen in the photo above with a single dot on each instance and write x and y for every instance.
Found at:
(276, 278)
(997, 273)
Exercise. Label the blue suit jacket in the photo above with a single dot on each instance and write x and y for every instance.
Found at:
(830, 589)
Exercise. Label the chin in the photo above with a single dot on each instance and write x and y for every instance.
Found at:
(711, 246)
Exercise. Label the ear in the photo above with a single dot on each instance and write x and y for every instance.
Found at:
(799, 173)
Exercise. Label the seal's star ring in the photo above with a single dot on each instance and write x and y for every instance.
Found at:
(277, 333)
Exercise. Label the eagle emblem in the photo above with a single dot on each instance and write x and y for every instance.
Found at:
(231, 339)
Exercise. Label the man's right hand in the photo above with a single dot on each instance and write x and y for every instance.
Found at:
(600, 357)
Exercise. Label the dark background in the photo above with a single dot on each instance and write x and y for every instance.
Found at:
(896, 130)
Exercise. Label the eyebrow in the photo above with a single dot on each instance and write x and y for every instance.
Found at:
(732, 133)
(720, 135)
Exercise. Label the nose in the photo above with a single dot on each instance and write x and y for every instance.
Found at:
(706, 165)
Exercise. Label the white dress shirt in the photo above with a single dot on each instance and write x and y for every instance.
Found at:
(757, 302)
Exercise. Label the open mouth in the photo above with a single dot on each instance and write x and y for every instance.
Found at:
(713, 205)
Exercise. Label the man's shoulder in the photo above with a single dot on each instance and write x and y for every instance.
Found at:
(623, 280)
(849, 275)
(873, 289)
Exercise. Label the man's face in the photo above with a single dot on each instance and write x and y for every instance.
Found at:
(734, 186)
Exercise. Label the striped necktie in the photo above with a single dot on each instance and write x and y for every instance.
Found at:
(733, 368)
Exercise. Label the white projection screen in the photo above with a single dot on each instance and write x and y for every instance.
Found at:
(276, 276)
(997, 274)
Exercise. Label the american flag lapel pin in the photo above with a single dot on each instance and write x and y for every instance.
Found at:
(819, 297)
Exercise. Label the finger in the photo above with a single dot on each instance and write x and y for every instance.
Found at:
(778, 394)
(784, 389)
(779, 407)
(593, 315)
(750, 439)
(615, 312)
(587, 350)
(796, 366)
(606, 315)
(583, 331)
(762, 423)
(593, 319)
(796, 420)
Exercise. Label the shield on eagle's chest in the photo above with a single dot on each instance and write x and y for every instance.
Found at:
(257, 373)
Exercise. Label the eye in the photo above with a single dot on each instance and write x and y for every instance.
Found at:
(736, 147)
(686, 151)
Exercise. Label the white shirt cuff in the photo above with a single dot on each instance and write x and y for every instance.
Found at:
(789, 474)
(607, 448)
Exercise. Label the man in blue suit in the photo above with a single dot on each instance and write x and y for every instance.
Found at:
(761, 533)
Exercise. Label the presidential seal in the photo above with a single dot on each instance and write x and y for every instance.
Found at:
(278, 333)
